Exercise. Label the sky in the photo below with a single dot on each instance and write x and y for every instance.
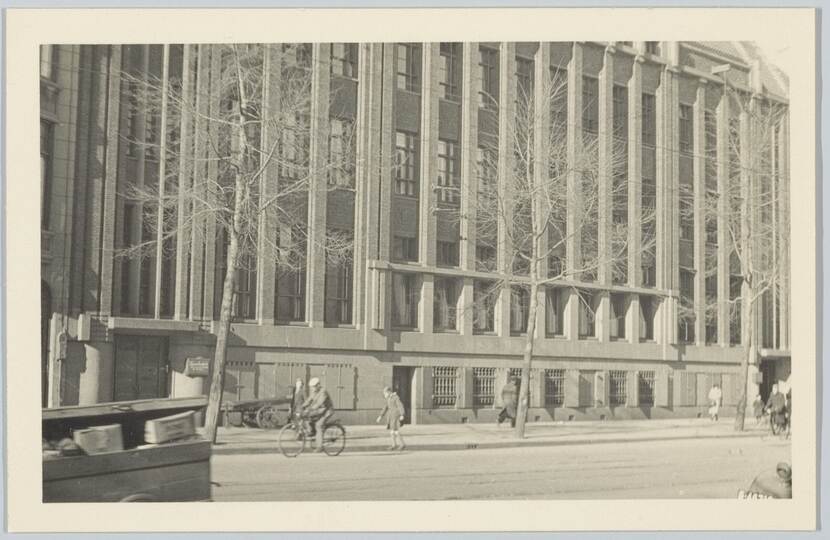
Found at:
(778, 52)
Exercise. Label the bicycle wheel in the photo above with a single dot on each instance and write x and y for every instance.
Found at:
(334, 439)
(291, 441)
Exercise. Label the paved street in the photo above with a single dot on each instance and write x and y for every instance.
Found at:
(689, 468)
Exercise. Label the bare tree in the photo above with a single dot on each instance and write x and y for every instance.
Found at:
(238, 172)
(543, 217)
(750, 206)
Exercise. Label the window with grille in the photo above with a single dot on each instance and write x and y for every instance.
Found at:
(483, 386)
(645, 384)
(488, 70)
(444, 384)
(404, 248)
(344, 59)
(406, 164)
(617, 388)
(409, 67)
(405, 296)
(449, 71)
(554, 387)
(448, 172)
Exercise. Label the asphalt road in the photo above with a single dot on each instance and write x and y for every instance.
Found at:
(693, 468)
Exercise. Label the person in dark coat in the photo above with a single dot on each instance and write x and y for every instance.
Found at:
(777, 407)
(509, 400)
(394, 412)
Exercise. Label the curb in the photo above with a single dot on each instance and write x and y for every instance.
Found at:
(273, 449)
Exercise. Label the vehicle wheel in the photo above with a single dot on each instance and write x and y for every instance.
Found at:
(291, 441)
(267, 417)
(334, 439)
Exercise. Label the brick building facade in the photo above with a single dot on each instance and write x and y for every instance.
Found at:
(116, 328)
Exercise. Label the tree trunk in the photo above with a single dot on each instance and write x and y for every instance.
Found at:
(527, 360)
(749, 328)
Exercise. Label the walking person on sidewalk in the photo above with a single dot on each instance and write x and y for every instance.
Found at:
(715, 397)
(509, 399)
(394, 412)
(297, 397)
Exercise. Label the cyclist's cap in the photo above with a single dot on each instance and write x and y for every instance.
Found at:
(314, 382)
(784, 470)
(387, 390)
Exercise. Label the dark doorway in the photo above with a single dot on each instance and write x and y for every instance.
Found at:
(45, 317)
(141, 366)
(767, 369)
(402, 385)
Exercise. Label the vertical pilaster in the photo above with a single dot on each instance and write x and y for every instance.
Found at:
(507, 116)
(784, 231)
(632, 396)
(661, 388)
(268, 188)
(110, 179)
(605, 195)
(747, 253)
(185, 176)
(162, 181)
(571, 398)
(724, 241)
(198, 238)
(699, 189)
(429, 175)
(541, 136)
(469, 146)
(142, 72)
(635, 172)
(632, 319)
(574, 210)
(318, 190)
(212, 178)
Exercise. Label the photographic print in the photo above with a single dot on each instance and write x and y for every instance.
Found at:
(447, 270)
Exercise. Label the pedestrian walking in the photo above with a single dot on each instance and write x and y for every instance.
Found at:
(758, 409)
(394, 411)
(715, 397)
(777, 407)
(297, 397)
(509, 400)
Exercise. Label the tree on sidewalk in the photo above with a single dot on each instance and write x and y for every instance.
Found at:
(236, 176)
(550, 211)
(752, 207)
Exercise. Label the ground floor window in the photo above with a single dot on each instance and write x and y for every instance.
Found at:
(617, 394)
(444, 385)
(645, 387)
(405, 297)
(554, 387)
(484, 380)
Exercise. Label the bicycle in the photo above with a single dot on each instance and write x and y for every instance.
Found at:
(294, 435)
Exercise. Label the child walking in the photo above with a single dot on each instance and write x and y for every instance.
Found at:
(394, 412)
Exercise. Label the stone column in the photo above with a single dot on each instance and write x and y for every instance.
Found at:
(96, 380)
(632, 397)
(571, 398)
(198, 238)
(699, 150)
(213, 173)
(185, 175)
(661, 388)
(507, 115)
(632, 319)
(318, 190)
(572, 249)
(723, 114)
(635, 172)
(469, 181)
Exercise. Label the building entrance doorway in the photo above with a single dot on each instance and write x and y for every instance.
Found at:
(402, 377)
(141, 366)
(767, 370)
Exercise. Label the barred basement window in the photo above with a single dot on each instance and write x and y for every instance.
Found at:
(645, 384)
(617, 394)
(554, 387)
(483, 386)
(444, 381)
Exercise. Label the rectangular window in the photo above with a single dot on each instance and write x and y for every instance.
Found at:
(687, 217)
(587, 314)
(341, 152)
(338, 290)
(49, 62)
(47, 137)
(126, 266)
(519, 306)
(647, 313)
(686, 138)
(620, 96)
(344, 60)
(304, 54)
(244, 306)
(405, 300)
(735, 285)
(484, 380)
(409, 67)
(617, 394)
(444, 304)
(132, 118)
(290, 295)
(686, 316)
(447, 253)
(559, 104)
(484, 307)
(554, 387)
(448, 173)
(619, 307)
(404, 248)
(590, 105)
(524, 80)
(555, 301)
(711, 309)
(294, 147)
(444, 384)
(649, 127)
(449, 68)
(406, 164)
(488, 77)
(645, 387)
(485, 258)
(653, 47)
(151, 137)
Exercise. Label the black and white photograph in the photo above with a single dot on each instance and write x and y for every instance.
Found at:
(470, 268)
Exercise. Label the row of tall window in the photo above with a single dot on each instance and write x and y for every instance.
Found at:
(446, 385)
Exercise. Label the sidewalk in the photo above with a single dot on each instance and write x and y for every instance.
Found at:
(373, 438)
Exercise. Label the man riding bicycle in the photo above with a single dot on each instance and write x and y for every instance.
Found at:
(317, 409)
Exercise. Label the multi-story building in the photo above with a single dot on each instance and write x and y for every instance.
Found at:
(650, 343)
